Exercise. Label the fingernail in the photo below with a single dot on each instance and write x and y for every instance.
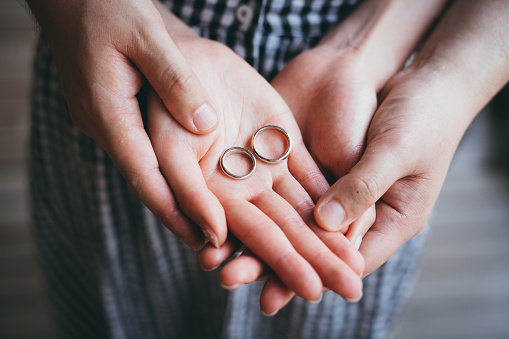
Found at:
(209, 269)
(209, 234)
(317, 301)
(231, 287)
(358, 242)
(332, 214)
(270, 314)
(204, 118)
(354, 300)
(197, 246)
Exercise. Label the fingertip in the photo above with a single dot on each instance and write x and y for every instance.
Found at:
(317, 301)
(269, 314)
(244, 269)
(210, 235)
(275, 295)
(230, 287)
(195, 244)
(201, 206)
(355, 299)
(330, 215)
(355, 293)
(211, 257)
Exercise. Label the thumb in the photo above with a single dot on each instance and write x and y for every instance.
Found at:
(357, 191)
(168, 72)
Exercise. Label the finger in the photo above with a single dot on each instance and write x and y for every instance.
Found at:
(288, 188)
(158, 58)
(354, 193)
(335, 273)
(123, 137)
(211, 257)
(244, 269)
(275, 295)
(304, 169)
(247, 268)
(262, 236)
(385, 237)
(181, 169)
(360, 226)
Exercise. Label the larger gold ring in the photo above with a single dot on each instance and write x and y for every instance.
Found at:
(276, 128)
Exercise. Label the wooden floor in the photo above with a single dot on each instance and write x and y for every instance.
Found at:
(463, 288)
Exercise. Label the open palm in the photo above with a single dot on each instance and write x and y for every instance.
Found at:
(266, 212)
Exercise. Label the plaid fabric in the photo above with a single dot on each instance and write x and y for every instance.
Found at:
(115, 272)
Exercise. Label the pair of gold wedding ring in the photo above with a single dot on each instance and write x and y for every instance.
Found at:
(236, 150)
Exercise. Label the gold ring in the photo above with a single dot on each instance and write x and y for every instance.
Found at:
(277, 128)
(236, 150)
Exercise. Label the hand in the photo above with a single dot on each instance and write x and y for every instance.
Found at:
(247, 268)
(333, 99)
(262, 211)
(103, 52)
(414, 133)
(331, 90)
(333, 112)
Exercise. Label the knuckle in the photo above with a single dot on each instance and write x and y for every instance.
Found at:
(169, 218)
(365, 190)
(259, 232)
(322, 256)
(314, 178)
(292, 221)
(138, 180)
(191, 197)
(307, 206)
(178, 81)
(285, 260)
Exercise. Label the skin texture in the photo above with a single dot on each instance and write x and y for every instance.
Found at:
(104, 52)
(332, 92)
(271, 211)
(423, 113)
(394, 154)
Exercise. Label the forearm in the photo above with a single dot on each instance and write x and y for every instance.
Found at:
(175, 27)
(382, 34)
(470, 46)
(468, 51)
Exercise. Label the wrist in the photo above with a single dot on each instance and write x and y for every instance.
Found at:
(177, 29)
(382, 34)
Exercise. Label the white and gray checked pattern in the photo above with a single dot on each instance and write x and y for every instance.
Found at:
(115, 272)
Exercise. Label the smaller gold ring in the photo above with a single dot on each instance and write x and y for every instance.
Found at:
(277, 128)
(236, 150)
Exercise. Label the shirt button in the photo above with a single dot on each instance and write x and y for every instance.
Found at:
(244, 14)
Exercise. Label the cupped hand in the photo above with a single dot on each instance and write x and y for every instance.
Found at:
(402, 169)
(331, 89)
(103, 52)
(423, 113)
(333, 98)
(265, 212)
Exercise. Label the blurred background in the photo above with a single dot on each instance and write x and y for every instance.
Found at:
(463, 287)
